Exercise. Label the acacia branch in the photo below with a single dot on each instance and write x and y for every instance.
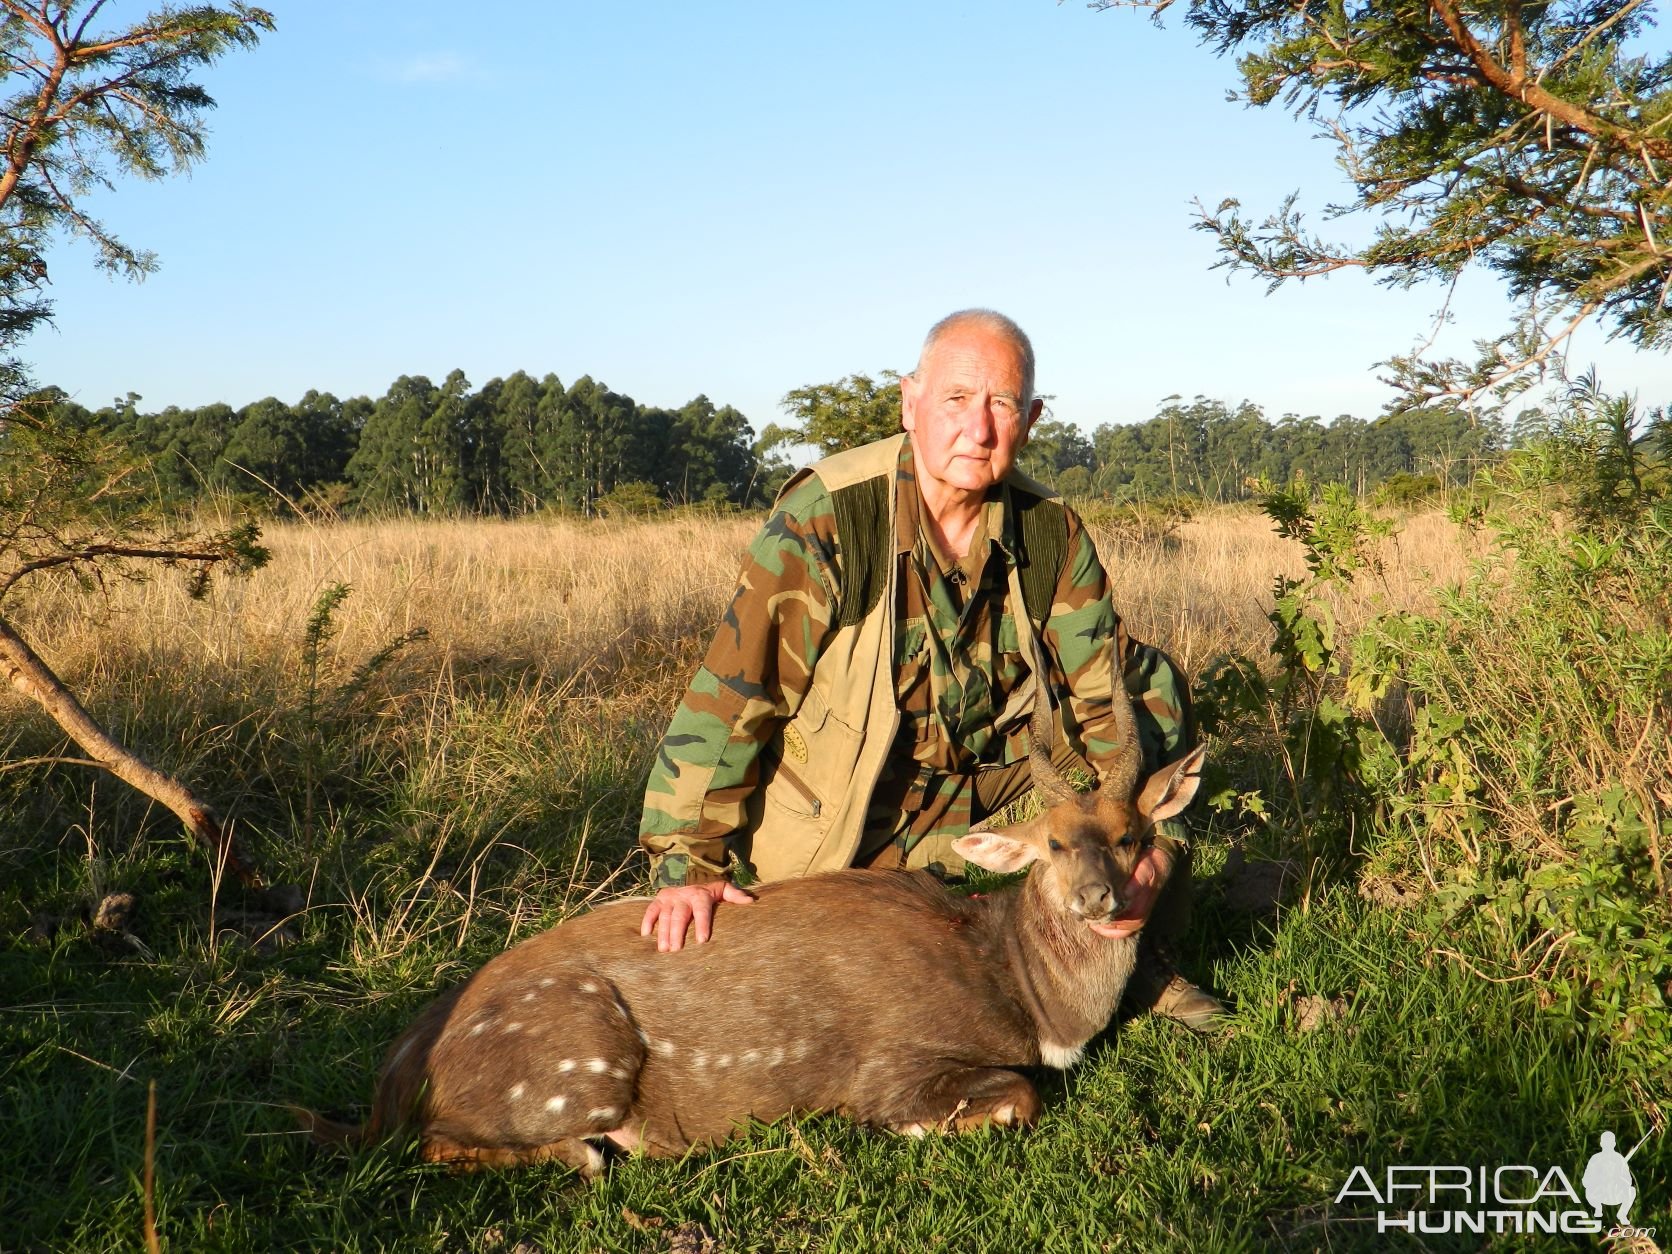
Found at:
(94, 551)
(26, 672)
(1588, 37)
(1553, 200)
(1530, 92)
(86, 19)
(1517, 39)
(19, 156)
(1508, 370)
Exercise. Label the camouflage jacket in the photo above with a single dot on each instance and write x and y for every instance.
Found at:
(958, 684)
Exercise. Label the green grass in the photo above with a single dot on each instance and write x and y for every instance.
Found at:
(1159, 1139)
(444, 812)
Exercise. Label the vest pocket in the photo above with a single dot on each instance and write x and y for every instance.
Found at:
(787, 791)
(790, 771)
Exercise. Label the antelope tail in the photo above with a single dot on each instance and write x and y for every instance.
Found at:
(325, 1131)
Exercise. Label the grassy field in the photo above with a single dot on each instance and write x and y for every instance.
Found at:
(469, 787)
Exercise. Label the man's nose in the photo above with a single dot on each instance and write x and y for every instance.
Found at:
(980, 422)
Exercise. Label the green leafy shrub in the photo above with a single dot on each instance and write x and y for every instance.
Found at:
(1512, 749)
(1534, 790)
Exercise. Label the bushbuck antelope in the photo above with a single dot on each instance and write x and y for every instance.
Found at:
(876, 994)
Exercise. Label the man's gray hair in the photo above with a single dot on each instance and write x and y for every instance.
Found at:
(991, 320)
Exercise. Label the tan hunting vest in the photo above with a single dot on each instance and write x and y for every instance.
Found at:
(822, 764)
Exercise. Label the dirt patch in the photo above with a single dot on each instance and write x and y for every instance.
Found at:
(1395, 892)
(1256, 886)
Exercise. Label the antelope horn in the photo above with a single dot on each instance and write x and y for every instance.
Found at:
(1051, 783)
(1122, 779)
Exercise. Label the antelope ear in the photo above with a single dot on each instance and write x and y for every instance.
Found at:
(1172, 788)
(998, 851)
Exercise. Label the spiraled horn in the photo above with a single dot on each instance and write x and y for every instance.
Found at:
(1051, 783)
(1122, 778)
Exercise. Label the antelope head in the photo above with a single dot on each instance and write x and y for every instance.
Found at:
(1091, 841)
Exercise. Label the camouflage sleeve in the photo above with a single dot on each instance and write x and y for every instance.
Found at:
(1084, 635)
(755, 674)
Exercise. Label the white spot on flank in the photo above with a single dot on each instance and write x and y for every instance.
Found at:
(644, 1037)
(528, 997)
(482, 1025)
(1060, 1056)
(598, 1065)
(515, 1092)
(587, 986)
(777, 1056)
(621, 1073)
(699, 1059)
(568, 1064)
(751, 1055)
(664, 1048)
(547, 982)
(724, 1060)
(512, 1027)
(611, 1113)
(556, 1104)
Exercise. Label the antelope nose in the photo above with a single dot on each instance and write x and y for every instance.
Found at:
(1095, 901)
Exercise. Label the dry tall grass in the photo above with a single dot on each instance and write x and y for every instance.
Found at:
(1205, 590)
(547, 601)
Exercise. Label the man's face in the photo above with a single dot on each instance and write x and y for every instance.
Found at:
(964, 409)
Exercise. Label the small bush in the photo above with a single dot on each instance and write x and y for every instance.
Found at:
(629, 499)
(1406, 491)
(1141, 523)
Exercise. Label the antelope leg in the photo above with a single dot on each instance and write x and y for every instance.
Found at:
(960, 1099)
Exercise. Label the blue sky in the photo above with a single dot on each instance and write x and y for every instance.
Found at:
(733, 199)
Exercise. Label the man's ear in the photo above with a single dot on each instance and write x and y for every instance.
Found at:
(1172, 788)
(908, 401)
(1006, 851)
(1034, 410)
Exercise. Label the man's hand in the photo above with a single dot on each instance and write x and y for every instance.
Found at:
(1149, 876)
(676, 908)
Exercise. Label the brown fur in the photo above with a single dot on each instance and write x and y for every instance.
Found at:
(876, 994)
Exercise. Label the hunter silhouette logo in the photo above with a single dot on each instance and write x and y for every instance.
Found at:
(1608, 1181)
(1517, 1197)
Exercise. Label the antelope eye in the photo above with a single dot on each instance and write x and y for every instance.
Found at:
(1054, 844)
(1125, 842)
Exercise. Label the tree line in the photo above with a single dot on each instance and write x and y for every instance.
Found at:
(1216, 452)
(520, 444)
(1200, 448)
(514, 445)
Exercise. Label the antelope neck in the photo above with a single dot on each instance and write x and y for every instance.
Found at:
(1068, 979)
